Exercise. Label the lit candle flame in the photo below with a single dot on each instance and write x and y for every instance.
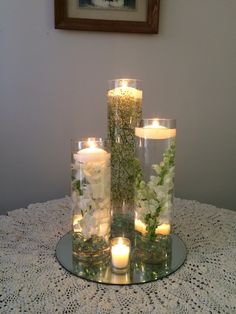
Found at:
(120, 241)
(124, 84)
(91, 143)
(155, 124)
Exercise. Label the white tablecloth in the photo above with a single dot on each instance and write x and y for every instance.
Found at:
(32, 281)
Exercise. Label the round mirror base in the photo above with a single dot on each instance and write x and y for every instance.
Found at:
(140, 270)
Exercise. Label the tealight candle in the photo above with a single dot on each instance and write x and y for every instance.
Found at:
(155, 131)
(120, 252)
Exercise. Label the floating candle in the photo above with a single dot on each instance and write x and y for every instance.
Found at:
(91, 154)
(124, 91)
(155, 131)
(163, 229)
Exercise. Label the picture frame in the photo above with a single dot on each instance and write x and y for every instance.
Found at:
(128, 16)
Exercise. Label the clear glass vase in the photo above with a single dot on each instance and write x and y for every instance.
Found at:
(124, 114)
(90, 185)
(154, 186)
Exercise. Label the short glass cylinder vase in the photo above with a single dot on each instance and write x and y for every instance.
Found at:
(124, 99)
(90, 185)
(120, 254)
(154, 186)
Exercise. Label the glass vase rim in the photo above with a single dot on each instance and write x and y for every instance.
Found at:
(159, 119)
(98, 142)
(85, 139)
(155, 122)
(124, 79)
(117, 239)
(129, 82)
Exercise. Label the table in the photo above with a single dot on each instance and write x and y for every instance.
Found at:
(34, 282)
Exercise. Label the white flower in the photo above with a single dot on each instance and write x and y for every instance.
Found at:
(161, 192)
(100, 189)
(78, 175)
(172, 171)
(153, 203)
(99, 214)
(104, 228)
(142, 185)
(138, 211)
(97, 190)
(156, 168)
(144, 204)
(165, 215)
(156, 194)
(77, 166)
(166, 206)
(96, 170)
(154, 181)
(101, 3)
(75, 196)
(168, 182)
(141, 194)
(88, 226)
(105, 204)
(84, 204)
(152, 209)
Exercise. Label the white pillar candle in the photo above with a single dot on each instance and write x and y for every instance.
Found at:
(155, 131)
(120, 251)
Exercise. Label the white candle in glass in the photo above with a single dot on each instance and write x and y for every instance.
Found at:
(125, 92)
(91, 154)
(155, 131)
(120, 251)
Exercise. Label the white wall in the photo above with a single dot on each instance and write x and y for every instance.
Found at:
(53, 83)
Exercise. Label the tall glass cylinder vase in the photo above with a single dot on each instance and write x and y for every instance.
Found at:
(154, 187)
(124, 114)
(91, 199)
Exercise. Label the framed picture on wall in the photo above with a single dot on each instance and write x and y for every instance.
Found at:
(130, 16)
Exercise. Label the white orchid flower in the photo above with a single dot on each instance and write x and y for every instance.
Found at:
(88, 226)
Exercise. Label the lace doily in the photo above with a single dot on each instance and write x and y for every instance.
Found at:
(32, 281)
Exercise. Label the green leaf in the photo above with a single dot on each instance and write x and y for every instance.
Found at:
(77, 186)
